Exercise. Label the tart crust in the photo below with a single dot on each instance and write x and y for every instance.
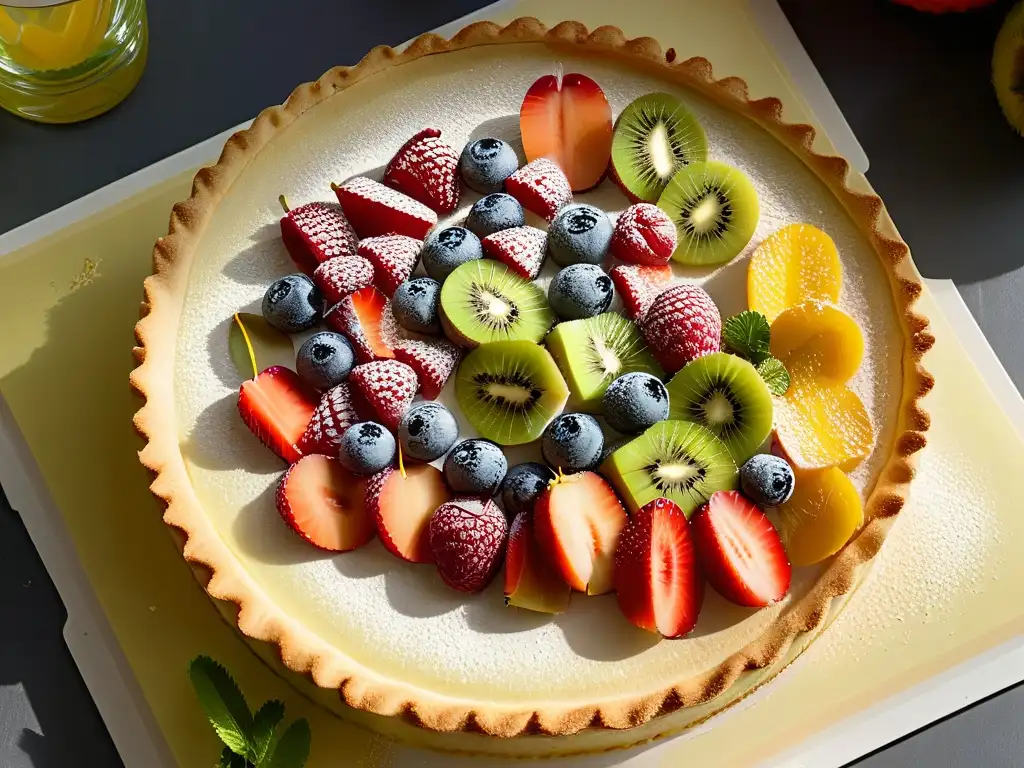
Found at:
(363, 688)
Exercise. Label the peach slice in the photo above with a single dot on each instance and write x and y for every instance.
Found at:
(824, 511)
(818, 341)
(797, 263)
(821, 427)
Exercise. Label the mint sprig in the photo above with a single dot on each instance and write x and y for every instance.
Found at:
(775, 375)
(748, 334)
(250, 742)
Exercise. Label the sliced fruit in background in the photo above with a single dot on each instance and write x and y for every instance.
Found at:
(682, 324)
(821, 427)
(643, 234)
(277, 405)
(639, 287)
(316, 232)
(824, 511)
(384, 388)
(393, 257)
(658, 581)
(510, 390)
(521, 249)
(359, 316)
(797, 263)
(401, 505)
(375, 210)
(484, 301)
(727, 395)
(577, 522)
(531, 581)
(740, 551)
(540, 187)
(341, 276)
(593, 352)
(335, 413)
(568, 120)
(715, 210)
(426, 169)
(434, 361)
(678, 460)
(323, 503)
(1008, 67)
(467, 538)
(818, 342)
(655, 136)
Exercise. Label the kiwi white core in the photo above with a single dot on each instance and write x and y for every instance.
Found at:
(659, 150)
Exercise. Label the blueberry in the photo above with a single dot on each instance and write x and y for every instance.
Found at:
(767, 479)
(475, 467)
(523, 485)
(415, 305)
(580, 290)
(494, 213)
(634, 402)
(486, 163)
(292, 304)
(366, 448)
(427, 431)
(572, 443)
(447, 249)
(580, 233)
(325, 359)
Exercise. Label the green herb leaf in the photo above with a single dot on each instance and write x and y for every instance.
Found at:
(229, 759)
(775, 375)
(292, 749)
(223, 704)
(264, 724)
(269, 345)
(748, 335)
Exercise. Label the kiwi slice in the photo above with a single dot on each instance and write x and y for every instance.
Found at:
(715, 210)
(678, 460)
(727, 395)
(484, 301)
(510, 390)
(593, 352)
(654, 137)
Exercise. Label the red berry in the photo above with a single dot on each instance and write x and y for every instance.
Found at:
(540, 187)
(393, 257)
(385, 388)
(339, 277)
(639, 287)
(361, 317)
(521, 249)
(374, 210)
(644, 234)
(317, 232)
(467, 538)
(335, 413)
(277, 405)
(433, 360)
(426, 169)
(682, 324)
(323, 503)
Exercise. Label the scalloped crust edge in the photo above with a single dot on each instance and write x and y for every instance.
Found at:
(366, 689)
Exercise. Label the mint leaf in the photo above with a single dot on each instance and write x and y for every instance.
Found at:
(264, 724)
(223, 704)
(292, 749)
(775, 375)
(229, 759)
(748, 335)
(269, 345)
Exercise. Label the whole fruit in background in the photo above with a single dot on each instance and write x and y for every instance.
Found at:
(401, 504)
(1008, 69)
(580, 233)
(767, 479)
(635, 402)
(425, 169)
(324, 504)
(445, 250)
(580, 291)
(943, 6)
(467, 539)
(325, 359)
(494, 213)
(475, 468)
(427, 431)
(415, 305)
(523, 485)
(682, 324)
(486, 163)
(572, 443)
(643, 234)
(366, 448)
(292, 304)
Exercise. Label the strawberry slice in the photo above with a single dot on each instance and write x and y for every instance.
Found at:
(658, 581)
(467, 537)
(323, 503)
(569, 121)
(521, 249)
(360, 317)
(335, 413)
(578, 520)
(317, 232)
(401, 508)
(540, 187)
(341, 276)
(384, 388)
(433, 360)
(374, 210)
(393, 257)
(639, 287)
(277, 405)
(530, 580)
(740, 551)
(426, 169)
(643, 234)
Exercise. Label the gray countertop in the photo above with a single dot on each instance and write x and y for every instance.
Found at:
(913, 87)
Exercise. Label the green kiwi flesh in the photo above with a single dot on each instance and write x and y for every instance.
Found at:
(725, 394)
(654, 137)
(715, 210)
(510, 390)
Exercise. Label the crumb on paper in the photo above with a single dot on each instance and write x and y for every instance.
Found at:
(90, 271)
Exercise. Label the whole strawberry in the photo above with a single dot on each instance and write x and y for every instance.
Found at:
(427, 170)
(467, 538)
(384, 388)
(682, 324)
(643, 234)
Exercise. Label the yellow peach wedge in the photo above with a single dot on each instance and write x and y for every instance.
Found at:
(819, 342)
(797, 263)
(824, 511)
(820, 427)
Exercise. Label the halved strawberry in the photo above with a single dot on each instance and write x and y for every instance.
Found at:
(385, 388)
(578, 520)
(643, 234)
(658, 581)
(317, 232)
(335, 413)
(374, 209)
(323, 503)
(339, 277)
(277, 405)
(393, 257)
(568, 120)
(740, 551)
(426, 169)
(540, 187)
(530, 580)
(639, 287)
(360, 317)
(521, 249)
(434, 360)
(467, 537)
(401, 508)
